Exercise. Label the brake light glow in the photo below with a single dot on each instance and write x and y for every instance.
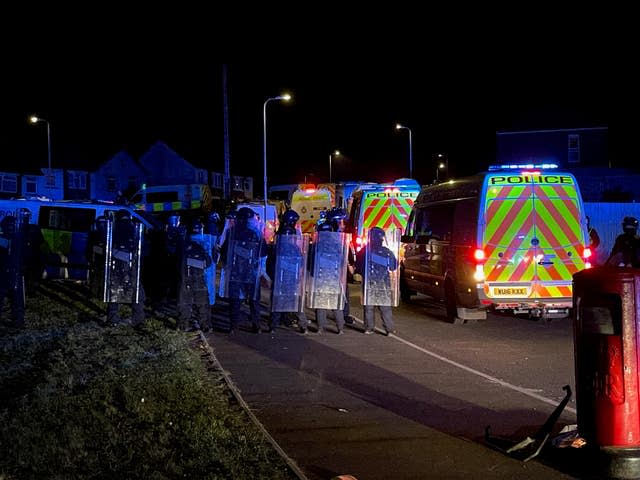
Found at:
(478, 254)
(586, 254)
(480, 257)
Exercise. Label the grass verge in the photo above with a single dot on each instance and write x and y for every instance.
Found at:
(79, 400)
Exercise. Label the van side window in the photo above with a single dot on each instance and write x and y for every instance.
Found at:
(410, 229)
(466, 222)
(161, 197)
(71, 219)
(352, 223)
(435, 221)
(423, 223)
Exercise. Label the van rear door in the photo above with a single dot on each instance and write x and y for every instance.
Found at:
(532, 236)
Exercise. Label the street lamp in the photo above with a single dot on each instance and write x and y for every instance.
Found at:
(402, 127)
(286, 97)
(336, 153)
(33, 119)
(441, 165)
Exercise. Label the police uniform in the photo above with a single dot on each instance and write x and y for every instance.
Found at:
(374, 262)
(125, 279)
(287, 249)
(12, 247)
(330, 222)
(196, 289)
(242, 248)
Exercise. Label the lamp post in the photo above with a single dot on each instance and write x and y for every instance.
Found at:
(402, 127)
(441, 165)
(286, 97)
(33, 119)
(336, 153)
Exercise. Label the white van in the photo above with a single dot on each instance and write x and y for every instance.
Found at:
(65, 226)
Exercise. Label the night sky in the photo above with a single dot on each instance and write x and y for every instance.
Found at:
(116, 96)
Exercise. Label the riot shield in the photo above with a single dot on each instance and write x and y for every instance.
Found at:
(290, 271)
(12, 250)
(241, 277)
(126, 251)
(101, 241)
(380, 281)
(198, 267)
(327, 277)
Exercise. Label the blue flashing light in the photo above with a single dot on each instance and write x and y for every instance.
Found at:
(527, 166)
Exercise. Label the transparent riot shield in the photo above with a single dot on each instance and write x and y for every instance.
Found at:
(101, 241)
(126, 251)
(380, 280)
(199, 269)
(241, 277)
(290, 272)
(327, 278)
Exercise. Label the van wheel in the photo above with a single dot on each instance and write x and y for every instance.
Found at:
(451, 304)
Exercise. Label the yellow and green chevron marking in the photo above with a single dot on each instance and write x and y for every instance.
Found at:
(532, 238)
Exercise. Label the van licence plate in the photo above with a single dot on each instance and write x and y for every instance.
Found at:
(510, 291)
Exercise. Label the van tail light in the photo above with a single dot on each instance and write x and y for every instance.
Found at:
(479, 257)
(586, 255)
(360, 242)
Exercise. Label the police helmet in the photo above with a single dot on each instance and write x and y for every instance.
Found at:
(376, 235)
(214, 217)
(8, 224)
(173, 221)
(290, 218)
(124, 215)
(325, 227)
(197, 227)
(245, 213)
(630, 223)
(336, 214)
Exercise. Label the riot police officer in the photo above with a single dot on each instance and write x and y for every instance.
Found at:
(375, 262)
(286, 266)
(242, 249)
(12, 248)
(328, 270)
(625, 252)
(125, 286)
(196, 291)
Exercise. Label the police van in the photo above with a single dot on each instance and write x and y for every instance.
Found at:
(166, 199)
(65, 226)
(507, 239)
(308, 201)
(384, 205)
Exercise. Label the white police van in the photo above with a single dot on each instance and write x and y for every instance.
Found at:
(65, 226)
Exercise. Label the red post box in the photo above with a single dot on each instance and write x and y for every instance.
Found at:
(606, 326)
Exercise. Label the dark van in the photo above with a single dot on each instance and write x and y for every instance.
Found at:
(508, 239)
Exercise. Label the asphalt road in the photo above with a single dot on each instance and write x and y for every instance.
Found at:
(413, 405)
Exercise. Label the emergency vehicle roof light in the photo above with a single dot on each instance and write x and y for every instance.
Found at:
(543, 166)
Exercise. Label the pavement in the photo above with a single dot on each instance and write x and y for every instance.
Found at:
(370, 407)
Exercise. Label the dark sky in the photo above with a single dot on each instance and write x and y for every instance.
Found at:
(100, 100)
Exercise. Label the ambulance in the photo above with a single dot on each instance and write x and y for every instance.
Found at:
(384, 205)
(509, 239)
(308, 201)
